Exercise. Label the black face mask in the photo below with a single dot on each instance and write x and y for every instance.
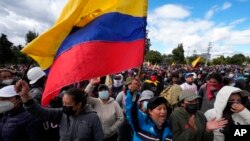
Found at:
(192, 108)
(68, 110)
(228, 108)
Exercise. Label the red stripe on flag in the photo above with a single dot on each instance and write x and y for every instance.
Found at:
(89, 60)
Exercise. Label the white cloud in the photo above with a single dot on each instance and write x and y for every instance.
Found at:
(18, 17)
(209, 14)
(172, 11)
(226, 5)
(216, 9)
(240, 37)
(195, 34)
(238, 21)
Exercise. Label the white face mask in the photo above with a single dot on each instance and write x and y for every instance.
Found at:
(6, 106)
(8, 81)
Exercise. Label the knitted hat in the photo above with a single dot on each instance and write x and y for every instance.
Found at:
(155, 102)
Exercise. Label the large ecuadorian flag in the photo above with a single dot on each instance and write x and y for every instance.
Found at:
(91, 38)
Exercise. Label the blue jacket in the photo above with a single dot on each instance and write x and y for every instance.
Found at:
(143, 127)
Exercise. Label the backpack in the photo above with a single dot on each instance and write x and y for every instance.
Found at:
(171, 94)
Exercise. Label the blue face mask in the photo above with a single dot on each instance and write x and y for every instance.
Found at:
(145, 105)
(104, 95)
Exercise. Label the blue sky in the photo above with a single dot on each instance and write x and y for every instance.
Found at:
(194, 23)
(226, 25)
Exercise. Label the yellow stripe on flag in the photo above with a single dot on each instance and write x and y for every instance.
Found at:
(78, 13)
(194, 63)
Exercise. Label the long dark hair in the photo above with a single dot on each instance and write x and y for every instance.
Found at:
(227, 114)
(78, 95)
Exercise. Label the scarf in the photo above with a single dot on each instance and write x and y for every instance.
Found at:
(211, 89)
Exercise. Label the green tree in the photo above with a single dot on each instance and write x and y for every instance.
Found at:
(248, 59)
(227, 60)
(178, 54)
(167, 59)
(31, 35)
(153, 57)
(6, 53)
(20, 58)
(219, 60)
(237, 59)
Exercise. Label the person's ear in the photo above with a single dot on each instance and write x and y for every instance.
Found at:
(149, 111)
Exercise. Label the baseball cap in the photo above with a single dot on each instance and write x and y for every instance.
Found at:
(156, 101)
(188, 95)
(146, 95)
(8, 91)
(188, 75)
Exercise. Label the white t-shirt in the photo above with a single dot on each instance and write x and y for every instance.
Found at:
(186, 86)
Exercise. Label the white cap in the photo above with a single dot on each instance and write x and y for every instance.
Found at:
(231, 75)
(8, 91)
(194, 75)
(146, 95)
(35, 74)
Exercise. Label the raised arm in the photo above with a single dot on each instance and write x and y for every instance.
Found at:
(49, 114)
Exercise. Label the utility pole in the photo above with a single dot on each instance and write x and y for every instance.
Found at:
(208, 50)
(188, 55)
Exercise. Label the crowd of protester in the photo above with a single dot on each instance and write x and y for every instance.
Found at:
(178, 103)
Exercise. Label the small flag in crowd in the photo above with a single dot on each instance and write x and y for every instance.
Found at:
(196, 62)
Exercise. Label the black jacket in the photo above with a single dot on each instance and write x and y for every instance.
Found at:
(19, 125)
